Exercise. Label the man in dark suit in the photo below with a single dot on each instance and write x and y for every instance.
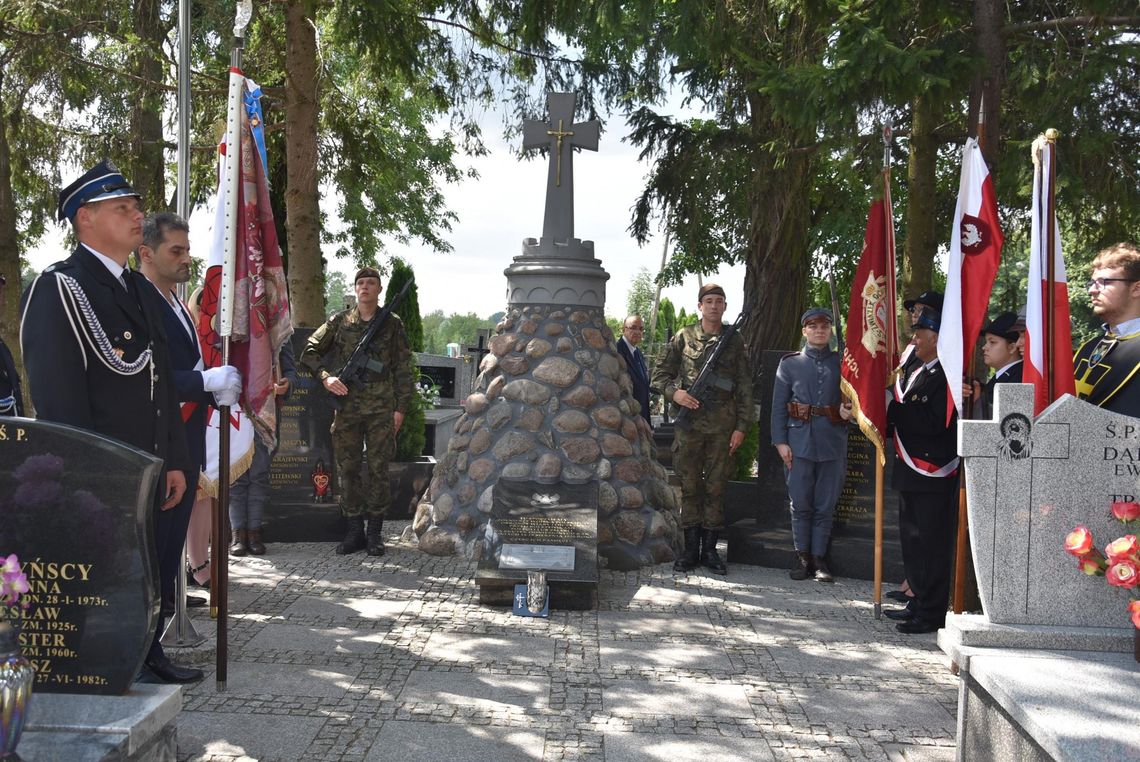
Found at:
(11, 398)
(926, 477)
(95, 349)
(164, 258)
(631, 334)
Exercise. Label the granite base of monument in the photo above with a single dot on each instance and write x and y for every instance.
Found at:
(138, 726)
(541, 527)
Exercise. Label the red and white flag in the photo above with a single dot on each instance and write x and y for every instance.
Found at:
(975, 253)
(868, 353)
(1055, 353)
(261, 320)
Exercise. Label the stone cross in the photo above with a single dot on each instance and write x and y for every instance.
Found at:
(1003, 457)
(560, 135)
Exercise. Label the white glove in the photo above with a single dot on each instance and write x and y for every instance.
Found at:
(228, 397)
(217, 379)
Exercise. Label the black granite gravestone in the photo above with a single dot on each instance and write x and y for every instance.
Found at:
(541, 527)
(766, 539)
(302, 477)
(76, 508)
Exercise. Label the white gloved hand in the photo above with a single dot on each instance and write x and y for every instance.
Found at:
(229, 396)
(217, 379)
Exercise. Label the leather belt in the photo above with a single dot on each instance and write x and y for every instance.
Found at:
(801, 411)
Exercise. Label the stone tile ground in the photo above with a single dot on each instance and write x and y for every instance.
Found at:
(360, 659)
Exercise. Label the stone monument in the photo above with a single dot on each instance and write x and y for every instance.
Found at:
(1054, 647)
(553, 400)
(76, 509)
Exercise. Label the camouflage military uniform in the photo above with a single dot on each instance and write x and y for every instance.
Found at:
(700, 456)
(365, 417)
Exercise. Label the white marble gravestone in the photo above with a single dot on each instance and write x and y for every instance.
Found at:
(1028, 483)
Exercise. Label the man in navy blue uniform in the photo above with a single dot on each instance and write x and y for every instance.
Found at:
(96, 351)
(926, 477)
(632, 331)
(809, 430)
(164, 258)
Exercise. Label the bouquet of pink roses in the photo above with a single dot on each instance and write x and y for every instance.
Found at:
(1120, 562)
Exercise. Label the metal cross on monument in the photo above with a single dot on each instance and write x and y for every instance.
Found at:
(561, 136)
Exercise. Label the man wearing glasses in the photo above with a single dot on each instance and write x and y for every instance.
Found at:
(631, 334)
(1107, 366)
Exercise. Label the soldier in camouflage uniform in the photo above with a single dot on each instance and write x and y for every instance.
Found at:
(371, 413)
(702, 456)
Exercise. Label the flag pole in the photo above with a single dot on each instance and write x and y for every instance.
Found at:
(225, 330)
(963, 533)
(892, 350)
(1050, 264)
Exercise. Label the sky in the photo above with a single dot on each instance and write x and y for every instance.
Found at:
(496, 212)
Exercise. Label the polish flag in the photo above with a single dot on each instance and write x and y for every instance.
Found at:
(975, 253)
(1052, 351)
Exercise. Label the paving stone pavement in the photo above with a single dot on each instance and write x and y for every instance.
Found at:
(366, 660)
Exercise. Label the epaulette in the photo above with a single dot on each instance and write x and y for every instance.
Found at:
(789, 354)
(60, 265)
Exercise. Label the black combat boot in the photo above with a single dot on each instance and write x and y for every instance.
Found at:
(690, 557)
(240, 546)
(709, 556)
(256, 546)
(353, 536)
(822, 573)
(801, 566)
(375, 541)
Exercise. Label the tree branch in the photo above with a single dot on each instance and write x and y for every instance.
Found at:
(1071, 21)
(496, 43)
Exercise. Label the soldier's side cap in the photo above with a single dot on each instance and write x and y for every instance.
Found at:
(366, 272)
(710, 288)
(932, 298)
(815, 312)
(101, 182)
(928, 318)
(1004, 325)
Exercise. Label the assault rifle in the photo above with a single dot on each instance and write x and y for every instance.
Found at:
(359, 363)
(708, 379)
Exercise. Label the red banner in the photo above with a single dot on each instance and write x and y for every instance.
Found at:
(868, 357)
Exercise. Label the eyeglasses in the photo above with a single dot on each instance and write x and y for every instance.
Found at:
(1098, 284)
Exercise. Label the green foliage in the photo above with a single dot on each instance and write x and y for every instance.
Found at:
(440, 330)
(745, 459)
(409, 311)
(412, 438)
(336, 287)
(639, 298)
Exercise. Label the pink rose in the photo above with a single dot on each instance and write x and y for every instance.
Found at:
(1090, 564)
(1126, 512)
(1123, 573)
(1122, 547)
(1079, 541)
(1134, 609)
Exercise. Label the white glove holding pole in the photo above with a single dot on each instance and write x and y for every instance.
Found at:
(220, 378)
(229, 396)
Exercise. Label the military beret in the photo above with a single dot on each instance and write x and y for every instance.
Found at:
(815, 312)
(1004, 325)
(928, 318)
(932, 298)
(101, 182)
(710, 288)
(366, 272)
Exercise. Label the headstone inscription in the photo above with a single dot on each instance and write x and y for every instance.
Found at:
(541, 527)
(1028, 484)
(76, 509)
(302, 477)
(766, 539)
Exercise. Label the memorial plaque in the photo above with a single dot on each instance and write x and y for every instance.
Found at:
(76, 508)
(1028, 484)
(303, 488)
(550, 527)
(766, 539)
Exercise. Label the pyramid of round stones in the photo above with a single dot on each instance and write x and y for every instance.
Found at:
(553, 402)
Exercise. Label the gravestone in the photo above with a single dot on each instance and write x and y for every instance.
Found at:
(541, 527)
(1028, 484)
(766, 538)
(452, 376)
(77, 510)
(302, 476)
